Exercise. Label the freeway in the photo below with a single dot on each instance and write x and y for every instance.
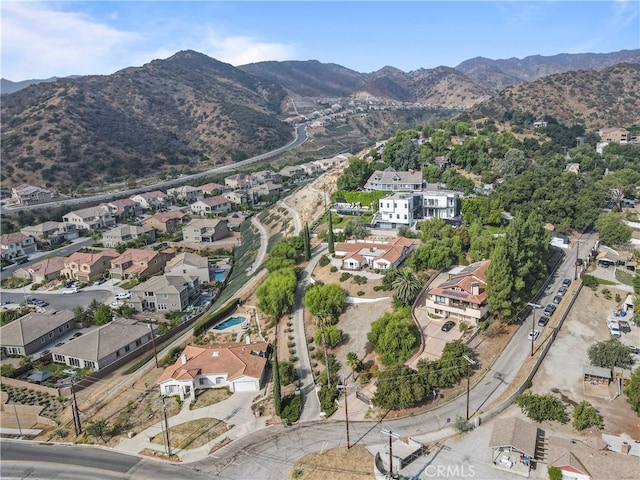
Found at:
(301, 136)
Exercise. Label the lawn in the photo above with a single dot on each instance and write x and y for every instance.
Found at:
(193, 434)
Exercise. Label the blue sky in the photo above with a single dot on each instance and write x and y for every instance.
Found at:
(41, 39)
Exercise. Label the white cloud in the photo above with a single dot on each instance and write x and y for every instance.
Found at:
(239, 50)
(39, 42)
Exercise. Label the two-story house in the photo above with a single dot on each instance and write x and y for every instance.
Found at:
(205, 230)
(191, 265)
(151, 200)
(237, 197)
(293, 171)
(463, 296)
(211, 205)
(186, 193)
(359, 254)
(86, 267)
(31, 195)
(123, 208)
(16, 246)
(92, 218)
(138, 262)
(42, 271)
(165, 222)
(391, 180)
(238, 181)
(50, 233)
(398, 209)
(213, 189)
(443, 204)
(126, 233)
(264, 176)
(166, 293)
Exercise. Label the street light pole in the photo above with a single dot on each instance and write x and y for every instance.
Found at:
(153, 341)
(575, 275)
(346, 409)
(391, 436)
(470, 362)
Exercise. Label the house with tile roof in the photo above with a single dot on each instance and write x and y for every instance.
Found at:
(165, 222)
(192, 265)
(51, 233)
(187, 193)
(153, 200)
(463, 296)
(211, 206)
(358, 254)
(212, 189)
(123, 208)
(393, 181)
(99, 348)
(239, 366)
(92, 218)
(238, 181)
(126, 233)
(166, 293)
(86, 267)
(26, 335)
(137, 262)
(15, 246)
(205, 230)
(42, 271)
(31, 195)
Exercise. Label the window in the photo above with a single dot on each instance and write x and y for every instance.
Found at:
(43, 339)
(90, 364)
(60, 329)
(74, 362)
(219, 380)
(165, 295)
(127, 348)
(58, 358)
(138, 342)
(440, 299)
(50, 334)
(202, 381)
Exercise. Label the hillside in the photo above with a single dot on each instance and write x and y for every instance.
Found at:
(596, 98)
(188, 111)
(499, 74)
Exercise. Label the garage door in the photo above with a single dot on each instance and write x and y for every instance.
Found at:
(244, 386)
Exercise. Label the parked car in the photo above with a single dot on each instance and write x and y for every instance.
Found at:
(77, 334)
(542, 321)
(557, 299)
(533, 334)
(448, 326)
(122, 296)
(549, 309)
(70, 291)
(566, 282)
(634, 349)
(100, 281)
(562, 291)
(614, 330)
(624, 326)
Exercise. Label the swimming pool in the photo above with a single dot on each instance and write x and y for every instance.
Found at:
(229, 322)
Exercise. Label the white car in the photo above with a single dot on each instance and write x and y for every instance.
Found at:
(533, 334)
(70, 291)
(122, 296)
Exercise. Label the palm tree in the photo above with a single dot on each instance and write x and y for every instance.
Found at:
(406, 286)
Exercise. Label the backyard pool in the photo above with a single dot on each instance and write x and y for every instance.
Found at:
(229, 322)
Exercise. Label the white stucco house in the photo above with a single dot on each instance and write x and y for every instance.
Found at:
(239, 366)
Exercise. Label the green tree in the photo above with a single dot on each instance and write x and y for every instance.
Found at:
(611, 230)
(332, 336)
(355, 175)
(636, 283)
(277, 294)
(541, 407)
(325, 302)
(355, 228)
(102, 315)
(287, 373)
(330, 237)
(632, 391)
(354, 362)
(406, 286)
(554, 473)
(397, 388)
(585, 415)
(500, 285)
(394, 336)
(307, 242)
(609, 353)
(277, 396)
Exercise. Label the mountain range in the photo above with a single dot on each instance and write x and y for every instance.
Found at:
(192, 110)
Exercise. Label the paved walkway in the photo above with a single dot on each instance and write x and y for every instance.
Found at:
(235, 411)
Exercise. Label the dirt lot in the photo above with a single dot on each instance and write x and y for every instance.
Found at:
(337, 464)
(561, 371)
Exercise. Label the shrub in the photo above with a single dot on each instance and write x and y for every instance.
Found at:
(290, 408)
(585, 415)
(590, 281)
(360, 293)
(334, 269)
(324, 261)
(345, 276)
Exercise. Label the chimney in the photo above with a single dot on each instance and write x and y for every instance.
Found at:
(625, 448)
(183, 357)
(247, 340)
(475, 288)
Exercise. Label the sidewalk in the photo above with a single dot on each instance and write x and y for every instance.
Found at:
(235, 411)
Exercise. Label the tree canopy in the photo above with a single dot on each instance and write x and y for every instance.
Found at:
(325, 302)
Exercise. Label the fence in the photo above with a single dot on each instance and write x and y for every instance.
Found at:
(54, 392)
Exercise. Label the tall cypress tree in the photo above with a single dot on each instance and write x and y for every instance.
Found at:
(500, 282)
(277, 398)
(330, 239)
(307, 242)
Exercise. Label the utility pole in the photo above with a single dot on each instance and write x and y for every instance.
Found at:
(391, 436)
(575, 275)
(153, 341)
(15, 410)
(166, 425)
(346, 408)
(470, 362)
(76, 413)
(533, 306)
